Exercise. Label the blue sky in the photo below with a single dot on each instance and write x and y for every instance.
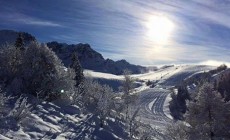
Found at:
(118, 28)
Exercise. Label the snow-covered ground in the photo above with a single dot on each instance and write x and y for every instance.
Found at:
(160, 74)
(166, 107)
(51, 121)
(94, 74)
(154, 102)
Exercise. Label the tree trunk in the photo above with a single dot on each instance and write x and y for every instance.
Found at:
(127, 112)
(101, 123)
(210, 125)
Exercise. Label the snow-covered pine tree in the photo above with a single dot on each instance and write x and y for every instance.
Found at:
(208, 115)
(75, 64)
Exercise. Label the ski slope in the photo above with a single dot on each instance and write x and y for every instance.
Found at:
(154, 102)
(161, 74)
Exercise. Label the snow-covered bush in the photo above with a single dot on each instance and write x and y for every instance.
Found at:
(3, 100)
(91, 92)
(44, 71)
(105, 101)
(132, 123)
(10, 63)
(96, 98)
(35, 69)
(128, 97)
(21, 109)
(76, 95)
(177, 131)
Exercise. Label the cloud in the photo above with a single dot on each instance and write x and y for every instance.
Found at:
(31, 21)
(117, 29)
(214, 63)
(20, 18)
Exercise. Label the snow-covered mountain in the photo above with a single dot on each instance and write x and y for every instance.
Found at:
(89, 58)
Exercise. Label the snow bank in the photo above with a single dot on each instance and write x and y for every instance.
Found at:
(4, 138)
(166, 107)
(151, 104)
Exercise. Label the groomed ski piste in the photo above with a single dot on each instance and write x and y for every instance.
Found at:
(154, 102)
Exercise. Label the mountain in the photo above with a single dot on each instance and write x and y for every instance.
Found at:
(89, 58)
(9, 37)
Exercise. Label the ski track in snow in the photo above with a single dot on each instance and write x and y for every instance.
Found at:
(151, 104)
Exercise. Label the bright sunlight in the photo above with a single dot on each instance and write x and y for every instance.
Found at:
(159, 29)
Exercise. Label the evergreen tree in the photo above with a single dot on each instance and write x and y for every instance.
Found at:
(19, 43)
(75, 64)
(208, 115)
(177, 105)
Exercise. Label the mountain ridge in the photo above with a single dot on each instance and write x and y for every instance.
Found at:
(91, 59)
(88, 57)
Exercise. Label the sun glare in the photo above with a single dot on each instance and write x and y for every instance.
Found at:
(159, 29)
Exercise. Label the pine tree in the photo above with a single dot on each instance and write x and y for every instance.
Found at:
(208, 115)
(18, 54)
(75, 64)
(19, 43)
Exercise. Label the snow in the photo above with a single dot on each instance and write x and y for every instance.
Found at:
(94, 74)
(166, 106)
(160, 74)
(4, 138)
(50, 119)
(151, 104)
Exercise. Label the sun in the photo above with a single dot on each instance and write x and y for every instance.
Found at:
(159, 29)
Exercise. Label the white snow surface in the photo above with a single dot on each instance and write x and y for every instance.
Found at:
(160, 74)
(151, 104)
(94, 74)
(166, 107)
(50, 118)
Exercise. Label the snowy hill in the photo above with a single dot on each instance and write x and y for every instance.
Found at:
(165, 75)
